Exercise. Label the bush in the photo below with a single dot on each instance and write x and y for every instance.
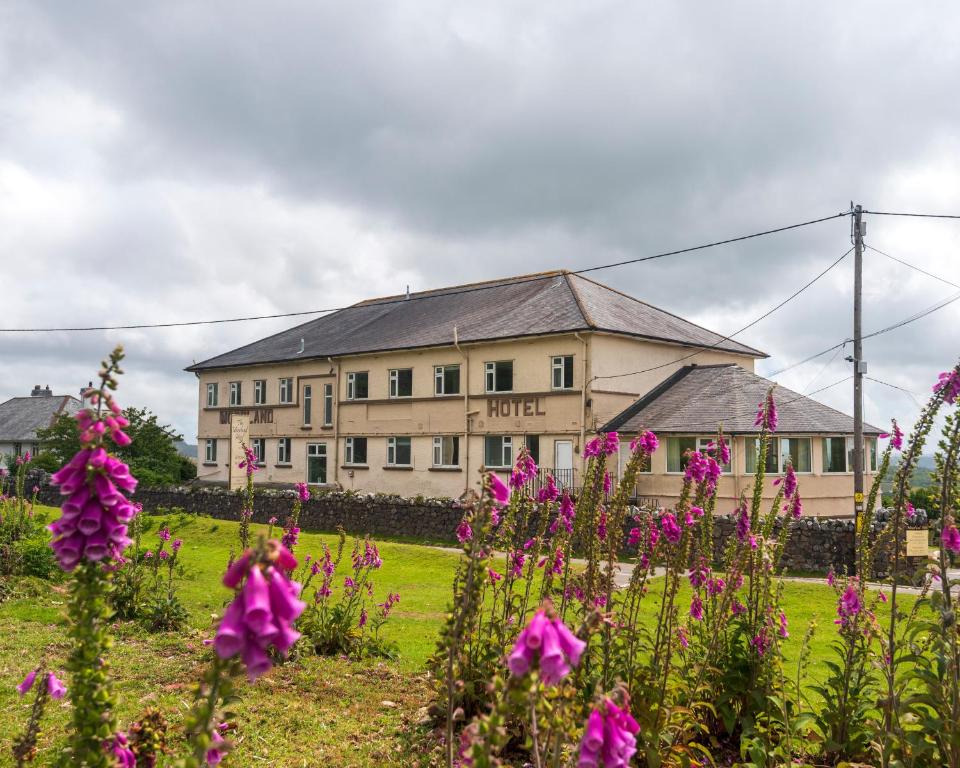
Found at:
(35, 558)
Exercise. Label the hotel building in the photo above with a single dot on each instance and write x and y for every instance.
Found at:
(416, 394)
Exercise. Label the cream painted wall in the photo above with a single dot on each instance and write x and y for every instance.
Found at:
(531, 408)
(823, 494)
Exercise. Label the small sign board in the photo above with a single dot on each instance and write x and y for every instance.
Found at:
(858, 497)
(917, 542)
(239, 437)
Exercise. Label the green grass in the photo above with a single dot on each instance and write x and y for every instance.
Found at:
(309, 712)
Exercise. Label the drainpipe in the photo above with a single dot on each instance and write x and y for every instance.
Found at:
(466, 411)
(336, 422)
(583, 398)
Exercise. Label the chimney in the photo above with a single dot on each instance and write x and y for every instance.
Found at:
(47, 392)
(36, 391)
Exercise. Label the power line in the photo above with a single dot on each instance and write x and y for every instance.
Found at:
(752, 323)
(913, 395)
(906, 321)
(914, 266)
(915, 215)
(440, 292)
(781, 403)
(824, 368)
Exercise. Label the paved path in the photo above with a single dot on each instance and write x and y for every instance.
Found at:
(625, 572)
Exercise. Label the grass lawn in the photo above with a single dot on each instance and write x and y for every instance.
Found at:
(310, 712)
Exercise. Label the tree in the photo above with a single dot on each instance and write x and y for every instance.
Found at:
(152, 454)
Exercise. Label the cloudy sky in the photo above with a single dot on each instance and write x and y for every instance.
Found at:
(180, 161)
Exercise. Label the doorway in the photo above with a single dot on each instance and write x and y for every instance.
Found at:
(316, 463)
(563, 463)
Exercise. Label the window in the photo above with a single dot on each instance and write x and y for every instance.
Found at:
(837, 454)
(307, 403)
(562, 370)
(446, 451)
(499, 376)
(283, 450)
(235, 394)
(355, 451)
(259, 447)
(677, 448)
(795, 450)
(210, 451)
(260, 392)
(401, 382)
(532, 442)
(703, 442)
(446, 379)
(780, 452)
(497, 451)
(328, 405)
(357, 386)
(752, 446)
(316, 463)
(286, 390)
(398, 452)
(872, 450)
(212, 396)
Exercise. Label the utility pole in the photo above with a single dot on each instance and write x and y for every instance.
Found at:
(859, 369)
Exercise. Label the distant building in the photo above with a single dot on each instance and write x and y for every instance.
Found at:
(414, 394)
(21, 417)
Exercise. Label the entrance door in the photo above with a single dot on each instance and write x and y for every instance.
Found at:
(316, 463)
(563, 463)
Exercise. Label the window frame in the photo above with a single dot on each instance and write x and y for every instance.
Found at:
(440, 381)
(259, 447)
(350, 452)
(683, 465)
(213, 388)
(210, 456)
(260, 392)
(703, 442)
(394, 386)
(285, 390)
(352, 385)
(506, 451)
(393, 444)
(438, 441)
(236, 393)
(847, 448)
(284, 452)
(490, 373)
(558, 365)
(328, 405)
(307, 405)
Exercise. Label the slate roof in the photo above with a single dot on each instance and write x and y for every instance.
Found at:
(528, 305)
(696, 399)
(21, 417)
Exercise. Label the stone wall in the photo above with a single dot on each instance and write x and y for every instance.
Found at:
(432, 520)
(815, 545)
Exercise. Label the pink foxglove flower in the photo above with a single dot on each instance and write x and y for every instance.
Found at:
(262, 612)
(548, 492)
(94, 517)
(611, 443)
(55, 687)
(910, 511)
(696, 608)
(951, 538)
(849, 605)
(303, 492)
(743, 524)
(122, 752)
(27, 683)
(767, 414)
(498, 490)
(696, 469)
(645, 441)
(671, 530)
(783, 625)
(464, 531)
(789, 482)
(609, 739)
(896, 437)
(948, 384)
(796, 506)
(546, 641)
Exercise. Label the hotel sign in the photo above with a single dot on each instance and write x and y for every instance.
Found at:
(257, 415)
(505, 407)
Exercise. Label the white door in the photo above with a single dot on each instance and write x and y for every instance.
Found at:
(563, 463)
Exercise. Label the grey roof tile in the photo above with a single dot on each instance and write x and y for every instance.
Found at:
(21, 417)
(696, 399)
(531, 305)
